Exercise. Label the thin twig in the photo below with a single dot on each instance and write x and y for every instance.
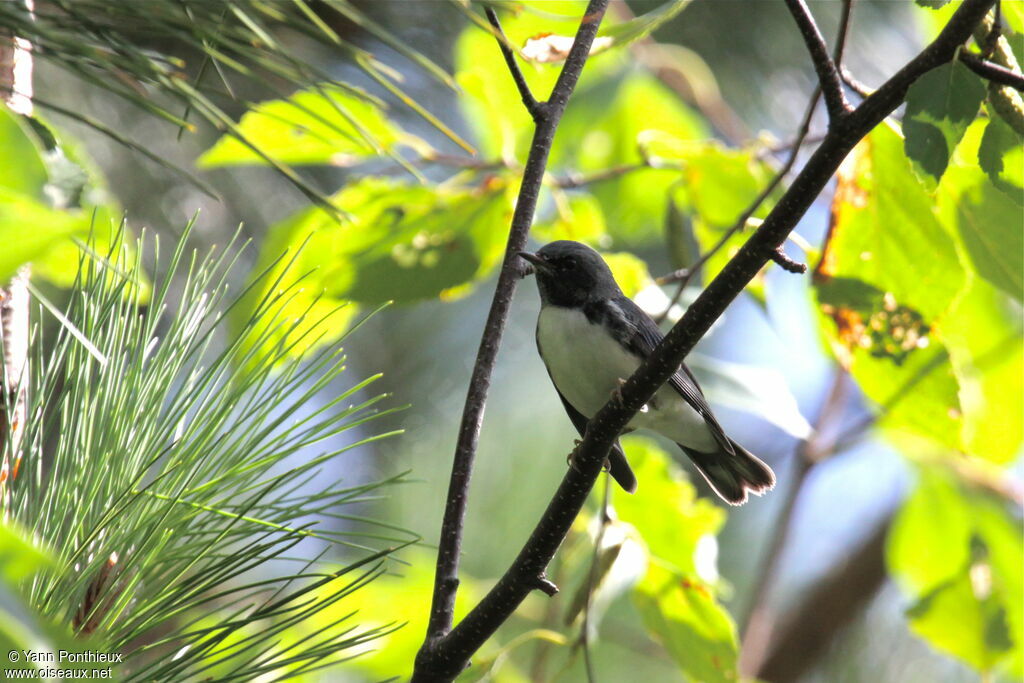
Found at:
(828, 74)
(437, 660)
(993, 72)
(853, 84)
(535, 108)
(591, 579)
(684, 275)
(444, 658)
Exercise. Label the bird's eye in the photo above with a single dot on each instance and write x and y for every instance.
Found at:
(568, 263)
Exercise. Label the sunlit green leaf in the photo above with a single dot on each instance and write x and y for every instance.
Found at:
(605, 128)
(1001, 156)
(319, 126)
(681, 614)
(578, 218)
(983, 335)
(22, 171)
(958, 554)
(894, 356)
(402, 242)
(493, 106)
(30, 229)
(940, 106)
(678, 527)
(399, 597)
(629, 271)
(20, 554)
(888, 273)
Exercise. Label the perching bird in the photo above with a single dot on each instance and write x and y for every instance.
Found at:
(592, 337)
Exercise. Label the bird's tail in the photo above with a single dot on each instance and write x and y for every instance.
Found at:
(620, 470)
(731, 476)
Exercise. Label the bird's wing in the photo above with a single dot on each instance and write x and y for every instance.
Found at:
(645, 337)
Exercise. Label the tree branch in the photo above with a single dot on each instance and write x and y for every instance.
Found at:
(444, 657)
(535, 108)
(824, 65)
(993, 72)
(438, 659)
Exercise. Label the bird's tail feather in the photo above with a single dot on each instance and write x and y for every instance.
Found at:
(732, 476)
(620, 470)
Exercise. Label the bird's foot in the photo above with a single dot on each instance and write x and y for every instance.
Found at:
(570, 459)
(617, 392)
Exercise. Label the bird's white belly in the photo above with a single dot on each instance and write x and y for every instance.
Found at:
(586, 364)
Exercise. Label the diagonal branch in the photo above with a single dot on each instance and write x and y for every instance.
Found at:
(535, 108)
(992, 71)
(449, 654)
(824, 65)
(436, 659)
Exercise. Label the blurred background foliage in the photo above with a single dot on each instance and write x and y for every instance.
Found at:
(372, 152)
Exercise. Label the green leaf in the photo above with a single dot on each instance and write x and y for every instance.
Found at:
(892, 353)
(402, 243)
(990, 226)
(30, 229)
(325, 125)
(645, 24)
(405, 590)
(721, 183)
(678, 527)
(1001, 156)
(491, 102)
(604, 128)
(630, 272)
(22, 170)
(1013, 15)
(986, 347)
(940, 106)
(958, 554)
(579, 218)
(883, 230)
(697, 632)
(21, 555)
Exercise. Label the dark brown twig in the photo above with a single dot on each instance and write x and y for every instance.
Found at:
(443, 657)
(824, 65)
(591, 581)
(684, 275)
(535, 108)
(993, 72)
(853, 84)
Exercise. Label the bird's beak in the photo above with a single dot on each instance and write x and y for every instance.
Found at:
(538, 262)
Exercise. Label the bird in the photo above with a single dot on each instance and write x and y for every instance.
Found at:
(592, 337)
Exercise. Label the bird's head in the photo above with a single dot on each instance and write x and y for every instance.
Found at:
(571, 274)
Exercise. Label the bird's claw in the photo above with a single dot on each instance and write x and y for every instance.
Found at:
(573, 456)
(570, 459)
(617, 392)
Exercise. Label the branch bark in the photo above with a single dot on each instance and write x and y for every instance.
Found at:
(437, 659)
(444, 656)
(828, 75)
